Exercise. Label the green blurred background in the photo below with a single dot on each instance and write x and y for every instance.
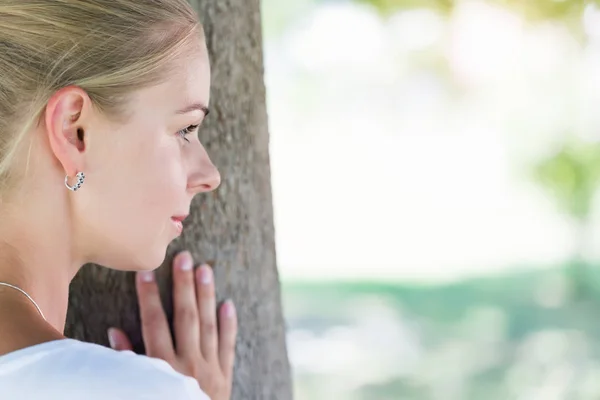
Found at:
(435, 167)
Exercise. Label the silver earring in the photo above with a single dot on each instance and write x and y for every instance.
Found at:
(80, 178)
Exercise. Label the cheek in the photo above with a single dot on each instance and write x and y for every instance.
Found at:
(157, 183)
(134, 201)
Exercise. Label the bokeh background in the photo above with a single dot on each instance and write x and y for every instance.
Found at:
(435, 165)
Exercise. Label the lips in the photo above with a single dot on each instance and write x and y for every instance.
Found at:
(178, 222)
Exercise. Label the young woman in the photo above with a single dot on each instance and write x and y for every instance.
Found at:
(100, 106)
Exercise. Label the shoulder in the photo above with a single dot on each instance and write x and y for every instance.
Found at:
(69, 368)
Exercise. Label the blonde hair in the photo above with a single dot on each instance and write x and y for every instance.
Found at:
(109, 48)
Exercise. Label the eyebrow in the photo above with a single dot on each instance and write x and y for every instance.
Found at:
(194, 107)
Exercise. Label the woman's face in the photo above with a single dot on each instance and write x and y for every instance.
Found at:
(141, 176)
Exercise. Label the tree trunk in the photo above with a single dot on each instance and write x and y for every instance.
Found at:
(231, 228)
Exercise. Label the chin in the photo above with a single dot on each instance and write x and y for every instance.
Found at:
(137, 260)
(133, 249)
(150, 261)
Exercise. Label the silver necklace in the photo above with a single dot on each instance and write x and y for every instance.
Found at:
(28, 296)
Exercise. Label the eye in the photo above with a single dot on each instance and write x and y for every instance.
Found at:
(186, 131)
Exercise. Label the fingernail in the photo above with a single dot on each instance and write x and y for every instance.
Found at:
(229, 309)
(112, 339)
(185, 262)
(205, 274)
(146, 276)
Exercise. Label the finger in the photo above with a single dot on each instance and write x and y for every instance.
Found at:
(207, 312)
(227, 337)
(155, 330)
(118, 340)
(185, 309)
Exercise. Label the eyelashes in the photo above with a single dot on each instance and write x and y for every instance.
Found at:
(186, 131)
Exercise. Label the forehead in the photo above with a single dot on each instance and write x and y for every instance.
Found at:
(191, 77)
(188, 82)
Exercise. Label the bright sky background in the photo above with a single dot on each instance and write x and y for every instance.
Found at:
(384, 169)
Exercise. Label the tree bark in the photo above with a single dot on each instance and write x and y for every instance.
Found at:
(231, 228)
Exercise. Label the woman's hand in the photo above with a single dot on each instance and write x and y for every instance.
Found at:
(201, 352)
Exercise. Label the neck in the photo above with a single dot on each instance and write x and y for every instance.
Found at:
(24, 294)
(21, 324)
(42, 278)
(36, 255)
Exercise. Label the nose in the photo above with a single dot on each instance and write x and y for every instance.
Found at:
(205, 177)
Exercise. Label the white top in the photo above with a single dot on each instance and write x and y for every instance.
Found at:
(69, 369)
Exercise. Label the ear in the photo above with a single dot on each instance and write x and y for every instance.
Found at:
(66, 118)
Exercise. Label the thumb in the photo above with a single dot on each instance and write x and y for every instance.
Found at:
(118, 340)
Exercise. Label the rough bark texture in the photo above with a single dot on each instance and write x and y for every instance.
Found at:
(231, 228)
